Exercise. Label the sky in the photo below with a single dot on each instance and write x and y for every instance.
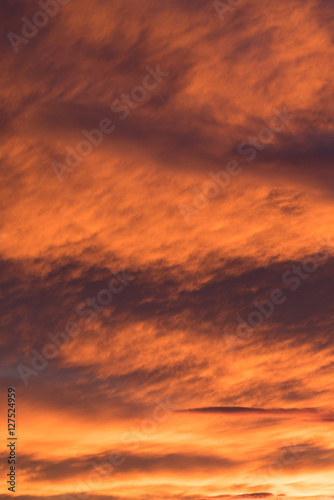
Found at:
(167, 249)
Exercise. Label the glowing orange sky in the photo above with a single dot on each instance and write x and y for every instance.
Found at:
(156, 386)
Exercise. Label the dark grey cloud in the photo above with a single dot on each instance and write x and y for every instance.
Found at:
(167, 297)
(190, 140)
(46, 469)
(241, 409)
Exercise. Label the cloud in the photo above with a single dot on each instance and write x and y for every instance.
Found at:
(164, 336)
(240, 409)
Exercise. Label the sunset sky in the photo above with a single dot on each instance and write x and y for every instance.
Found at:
(167, 248)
